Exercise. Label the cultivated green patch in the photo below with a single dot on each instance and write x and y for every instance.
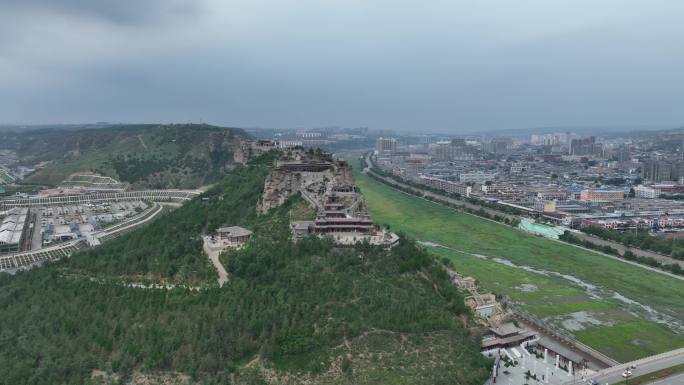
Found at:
(301, 211)
(645, 338)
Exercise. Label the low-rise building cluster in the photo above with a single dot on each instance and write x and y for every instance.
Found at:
(615, 181)
(13, 229)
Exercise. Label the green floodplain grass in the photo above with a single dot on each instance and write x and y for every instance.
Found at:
(627, 338)
(641, 336)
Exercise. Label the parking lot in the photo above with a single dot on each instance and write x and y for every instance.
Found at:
(67, 222)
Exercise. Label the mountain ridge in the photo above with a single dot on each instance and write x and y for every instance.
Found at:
(145, 156)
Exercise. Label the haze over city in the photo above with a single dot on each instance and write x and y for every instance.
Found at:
(447, 66)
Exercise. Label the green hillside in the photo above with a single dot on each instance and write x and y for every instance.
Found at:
(146, 156)
(290, 313)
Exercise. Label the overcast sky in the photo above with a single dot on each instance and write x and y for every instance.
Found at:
(423, 65)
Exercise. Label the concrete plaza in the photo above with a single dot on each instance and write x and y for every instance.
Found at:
(547, 373)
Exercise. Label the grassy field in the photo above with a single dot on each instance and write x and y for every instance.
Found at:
(602, 301)
(301, 211)
(54, 174)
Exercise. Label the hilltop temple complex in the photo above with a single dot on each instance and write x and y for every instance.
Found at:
(328, 186)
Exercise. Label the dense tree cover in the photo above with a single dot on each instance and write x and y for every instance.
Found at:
(674, 197)
(615, 181)
(641, 240)
(156, 156)
(198, 151)
(628, 255)
(172, 245)
(292, 304)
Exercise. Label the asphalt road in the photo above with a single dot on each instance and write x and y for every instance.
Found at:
(614, 375)
(37, 239)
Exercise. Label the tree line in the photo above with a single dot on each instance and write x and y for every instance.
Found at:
(642, 240)
(627, 255)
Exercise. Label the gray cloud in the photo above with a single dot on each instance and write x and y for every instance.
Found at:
(438, 65)
(116, 11)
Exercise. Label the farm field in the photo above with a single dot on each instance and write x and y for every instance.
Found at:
(621, 310)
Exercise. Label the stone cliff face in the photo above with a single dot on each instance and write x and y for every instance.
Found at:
(282, 184)
(317, 177)
(244, 150)
(297, 171)
(278, 187)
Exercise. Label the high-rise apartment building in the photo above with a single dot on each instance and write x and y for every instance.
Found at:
(386, 146)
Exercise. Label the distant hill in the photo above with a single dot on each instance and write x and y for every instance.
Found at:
(146, 156)
(291, 313)
(581, 130)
